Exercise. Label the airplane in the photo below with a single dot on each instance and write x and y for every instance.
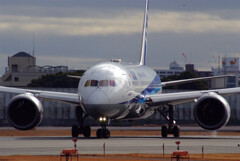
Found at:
(116, 90)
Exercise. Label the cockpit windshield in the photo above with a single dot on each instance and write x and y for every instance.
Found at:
(87, 83)
(112, 83)
(100, 83)
(94, 83)
(103, 83)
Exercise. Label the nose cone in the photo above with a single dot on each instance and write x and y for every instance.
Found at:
(98, 105)
(98, 97)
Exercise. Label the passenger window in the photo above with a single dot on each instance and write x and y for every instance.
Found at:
(94, 83)
(103, 83)
(87, 83)
(112, 83)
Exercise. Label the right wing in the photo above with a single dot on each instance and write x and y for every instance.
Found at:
(69, 98)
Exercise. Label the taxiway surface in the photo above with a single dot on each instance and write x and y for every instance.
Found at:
(118, 145)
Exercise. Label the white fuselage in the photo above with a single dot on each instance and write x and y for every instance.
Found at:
(116, 90)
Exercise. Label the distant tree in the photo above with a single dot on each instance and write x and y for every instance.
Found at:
(58, 80)
(199, 85)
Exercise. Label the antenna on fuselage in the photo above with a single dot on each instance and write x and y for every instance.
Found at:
(144, 36)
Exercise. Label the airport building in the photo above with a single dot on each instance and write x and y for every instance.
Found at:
(230, 66)
(174, 69)
(22, 69)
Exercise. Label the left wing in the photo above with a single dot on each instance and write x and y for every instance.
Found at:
(69, 98)
(176, 82)
(185, 97)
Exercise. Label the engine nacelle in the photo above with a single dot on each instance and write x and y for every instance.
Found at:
(24, 111)
(211, 111)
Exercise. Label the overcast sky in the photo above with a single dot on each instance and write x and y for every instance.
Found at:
(80, 33)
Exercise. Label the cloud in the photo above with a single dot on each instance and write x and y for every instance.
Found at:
(128, 22)
(90, 30)
(193, 22)
(70, 26)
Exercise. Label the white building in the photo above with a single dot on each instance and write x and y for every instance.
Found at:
(22, 70)
(174, 69)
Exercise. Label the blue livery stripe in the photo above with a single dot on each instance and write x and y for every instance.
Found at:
(154, 87)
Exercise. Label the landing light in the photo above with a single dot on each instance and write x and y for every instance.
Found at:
(102, 119)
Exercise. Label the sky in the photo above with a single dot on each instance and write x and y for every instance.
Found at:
(81, 33)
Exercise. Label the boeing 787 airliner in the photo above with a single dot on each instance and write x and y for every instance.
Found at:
(114, 91)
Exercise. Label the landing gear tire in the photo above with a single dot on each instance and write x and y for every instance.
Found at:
(79, 127)
(75, 131)
(99, 133)
(176, 131)
(106, 133)
(164, 131)
(171, 127)
(103, 133)
(87, 131)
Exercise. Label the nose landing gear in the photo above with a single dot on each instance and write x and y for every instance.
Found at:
(103, 132)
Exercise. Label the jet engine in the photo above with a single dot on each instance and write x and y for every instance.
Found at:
(211, 111)
(24, 111)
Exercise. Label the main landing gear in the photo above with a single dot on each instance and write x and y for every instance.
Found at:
(103, 132)
(79, 127)
(171, 127)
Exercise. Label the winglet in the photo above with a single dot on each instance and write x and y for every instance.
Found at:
(144, 36)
